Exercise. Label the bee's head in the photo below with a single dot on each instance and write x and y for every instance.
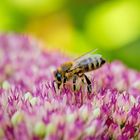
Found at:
(58, 76)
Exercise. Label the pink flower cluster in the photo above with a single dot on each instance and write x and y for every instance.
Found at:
(31, 110)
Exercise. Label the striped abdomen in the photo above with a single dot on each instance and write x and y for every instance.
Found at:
(90, 64)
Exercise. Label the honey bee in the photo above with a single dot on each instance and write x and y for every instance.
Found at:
(77, 69)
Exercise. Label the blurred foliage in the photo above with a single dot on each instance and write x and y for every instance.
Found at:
(35, 8)
(115, 24)
(77, 26)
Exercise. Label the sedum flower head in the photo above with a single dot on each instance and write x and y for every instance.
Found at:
(30, 108)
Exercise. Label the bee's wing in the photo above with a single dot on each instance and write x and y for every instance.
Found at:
(80, 60)
(85, 55)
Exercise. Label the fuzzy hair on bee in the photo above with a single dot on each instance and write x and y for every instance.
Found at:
(77, 69)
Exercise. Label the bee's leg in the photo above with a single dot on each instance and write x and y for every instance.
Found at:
(89, 87)
(74, 82)
(58, 85)
(64, 81)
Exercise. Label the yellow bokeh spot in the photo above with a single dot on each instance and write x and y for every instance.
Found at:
(114, 24)
(58, 32)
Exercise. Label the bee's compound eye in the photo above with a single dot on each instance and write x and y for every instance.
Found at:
(58, 76)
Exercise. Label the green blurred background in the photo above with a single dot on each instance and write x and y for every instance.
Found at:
(77, 26)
